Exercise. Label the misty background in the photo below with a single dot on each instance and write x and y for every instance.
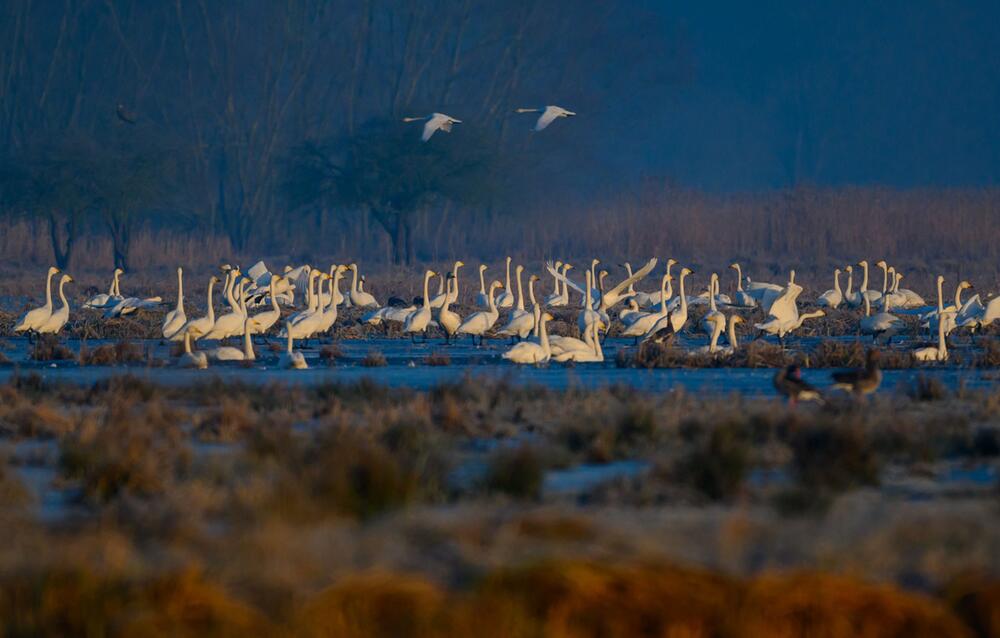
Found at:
(783, 131)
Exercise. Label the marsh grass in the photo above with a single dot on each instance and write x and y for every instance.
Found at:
(108, 354)
(374, 359)
(334, 506)
(50, 348)
(437, 358)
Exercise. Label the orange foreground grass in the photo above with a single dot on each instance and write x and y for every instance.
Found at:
(557, 599)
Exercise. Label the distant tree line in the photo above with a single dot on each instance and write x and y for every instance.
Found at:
(267, 121)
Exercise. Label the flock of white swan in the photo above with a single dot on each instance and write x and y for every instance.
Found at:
(302, 303)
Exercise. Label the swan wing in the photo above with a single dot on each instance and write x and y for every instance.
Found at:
(636, 276)
(563, 278)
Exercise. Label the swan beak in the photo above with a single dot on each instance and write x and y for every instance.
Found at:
(69, 279)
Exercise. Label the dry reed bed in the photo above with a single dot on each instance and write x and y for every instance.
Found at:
(225, 509)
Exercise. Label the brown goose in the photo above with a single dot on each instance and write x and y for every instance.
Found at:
(861, 381)
(789, 383)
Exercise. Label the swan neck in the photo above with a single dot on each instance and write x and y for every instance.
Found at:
(180, 287)
(482, 282)
(427, 283)
(531, 292)
(739, 278)
(520, 293)
(836, 281)
(62, 296)
(211, 310)
(48, 290)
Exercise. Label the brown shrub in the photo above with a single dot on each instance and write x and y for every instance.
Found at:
(830, 606)
(49, 348)
(111, 354)
(437, 359)
(374, 605)
(374, 359)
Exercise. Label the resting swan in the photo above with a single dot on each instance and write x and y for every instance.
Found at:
(191, 359)
(882, 323)
(110, 299)
(593, 354)
(291, 359)
(34, 319)
(529, 351)
(932, 353)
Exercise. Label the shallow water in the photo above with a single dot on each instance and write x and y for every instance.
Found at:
(407, 368)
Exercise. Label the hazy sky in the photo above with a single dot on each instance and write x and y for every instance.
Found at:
(900, 93)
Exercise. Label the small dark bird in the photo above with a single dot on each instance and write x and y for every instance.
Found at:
(861, 381)
(398, 302)
(789, 383)
(124, 115)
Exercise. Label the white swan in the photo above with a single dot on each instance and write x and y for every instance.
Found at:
(33, 319)
(769, 296)
(872, 295)
(448, 320)
(674, 322)
(478, 323)
(851, 296)
(713, 325)
(197, 328)
(452, 297)
(733, 344)
(832, 298)
(307, 323)
(556, 295)
(435, 122)
(482, 299)
(229, 353)
(549, 114)
(264, 321)
(894, 297)
(529, 351)
(931, 318)
(784, 316)
(113, 296)
(983, 317)
(743, 299)
(328, 317)
(630, 313)
(913, 300)
(192, 359)
(506, 298)
(231, 323)
(610, 298)
(654, 299)
(58, 318)
(418, 320)
(713, 319)
(935, 353)
(291, 359)
(174, 320)
(562, 298)
(641, 324)
(359, 297)
(593, 354)
(588, 315)
(521, 322)
(880, 324)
